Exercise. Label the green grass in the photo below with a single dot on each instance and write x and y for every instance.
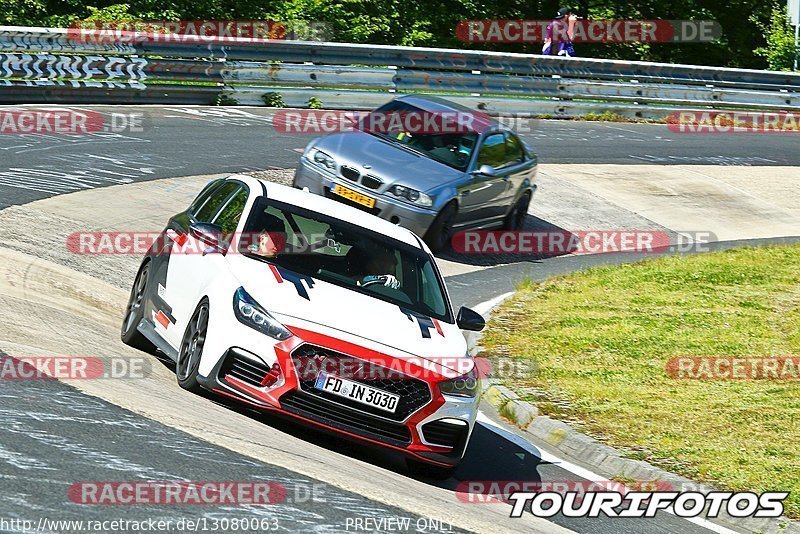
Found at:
(601, 340)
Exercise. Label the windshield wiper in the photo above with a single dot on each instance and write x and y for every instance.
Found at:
(395, 142)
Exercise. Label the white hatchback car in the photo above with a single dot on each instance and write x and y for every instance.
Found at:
(291, 302)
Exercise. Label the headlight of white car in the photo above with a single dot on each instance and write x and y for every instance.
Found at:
(467, 385)
(412, 195)
(250, 313)
(321, 159)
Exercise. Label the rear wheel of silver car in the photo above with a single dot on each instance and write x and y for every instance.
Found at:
(515, 219)
(441, 230)
(192, 349)
(134, 312)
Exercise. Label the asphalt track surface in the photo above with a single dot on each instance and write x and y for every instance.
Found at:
(46, 447)
(51, 435)
(187, 140)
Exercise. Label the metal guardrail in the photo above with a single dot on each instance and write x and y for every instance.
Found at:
(51, 65)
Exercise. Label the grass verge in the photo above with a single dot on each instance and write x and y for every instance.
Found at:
(601, 340)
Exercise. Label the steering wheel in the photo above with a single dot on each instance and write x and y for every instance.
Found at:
(373, 282)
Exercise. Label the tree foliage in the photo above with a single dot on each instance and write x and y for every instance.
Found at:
(754, 31)
(779, 33)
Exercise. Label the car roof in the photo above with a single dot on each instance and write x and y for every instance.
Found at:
(437, 104)
(331, 208)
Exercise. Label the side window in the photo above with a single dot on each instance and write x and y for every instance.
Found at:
(493, 151)
(215, 201)
(280, 223)
(228, 218)
(203, 196)
(431, 295)
(514, 152)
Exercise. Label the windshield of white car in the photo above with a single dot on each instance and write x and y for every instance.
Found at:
(345, 255)
(443, 140)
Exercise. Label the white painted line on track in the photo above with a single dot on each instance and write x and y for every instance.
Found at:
(582, 472)
(485, 307)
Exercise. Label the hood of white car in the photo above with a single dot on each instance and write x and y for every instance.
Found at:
(299, 299)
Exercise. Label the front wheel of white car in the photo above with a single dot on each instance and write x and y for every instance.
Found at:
(192, 349)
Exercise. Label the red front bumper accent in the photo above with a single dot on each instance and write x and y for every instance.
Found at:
(270, 399)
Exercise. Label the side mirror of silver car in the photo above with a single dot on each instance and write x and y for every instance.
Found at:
(486, 170)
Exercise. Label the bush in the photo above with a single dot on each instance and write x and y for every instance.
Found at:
(225, 100)
(779, 34)
(273, 100)
(606, 116)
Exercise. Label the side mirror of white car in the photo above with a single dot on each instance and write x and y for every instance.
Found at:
(470, 320)
(209, 234)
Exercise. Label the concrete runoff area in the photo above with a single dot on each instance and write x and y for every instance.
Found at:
(732, 202)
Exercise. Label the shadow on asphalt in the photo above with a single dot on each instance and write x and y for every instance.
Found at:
(489, 457)
(531, 224)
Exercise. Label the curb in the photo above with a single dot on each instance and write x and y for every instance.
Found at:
(609, 462)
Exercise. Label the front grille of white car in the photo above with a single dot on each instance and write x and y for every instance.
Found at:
(342, 418)
(414, 393)
(248, 370)
(444, 433)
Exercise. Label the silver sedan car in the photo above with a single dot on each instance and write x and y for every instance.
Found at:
(434, 182)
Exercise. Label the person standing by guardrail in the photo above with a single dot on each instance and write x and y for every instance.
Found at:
(559, 33)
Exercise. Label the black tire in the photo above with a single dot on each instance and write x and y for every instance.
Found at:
(431, 471)
(194, 339)
(135, 311)
(515, 219)
(441, 230)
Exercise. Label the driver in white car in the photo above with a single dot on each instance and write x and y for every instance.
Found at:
(378, 268)
(270, 240)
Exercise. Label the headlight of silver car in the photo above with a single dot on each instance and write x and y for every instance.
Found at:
(250, 313)
(467, 385)
(411, 195)
(321, 159)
